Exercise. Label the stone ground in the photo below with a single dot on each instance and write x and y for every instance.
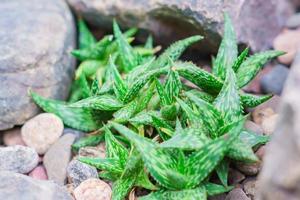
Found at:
(36, 159)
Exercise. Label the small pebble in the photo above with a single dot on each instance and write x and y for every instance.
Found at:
(94, 152)
(13, 137)
(260, 114)
(287, 41)
(57, 158)
(18, 159)
(93, 189)
(235, 177)
(261, 152)
(39, 173)
(250, 187)
(293, 21)
(42, 131)
(273, 82)
(237, 194)
(251, 126)
(269, 124)
(249, 169)
(78, 172)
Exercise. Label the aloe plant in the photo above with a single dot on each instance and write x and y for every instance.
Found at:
(160, 134)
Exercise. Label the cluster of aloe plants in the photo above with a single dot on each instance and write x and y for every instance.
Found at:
(154, 124)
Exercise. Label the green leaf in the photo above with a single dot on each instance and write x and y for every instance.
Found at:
(241, 151)
(86, 38)
(138, 71)
(173, 85)
(84, 87)
(253, 139)
(128, 58)
(198, 193)
(228, 50)
(95, 87)
(164, 99)
(201, 95)
(169, 112)
(78, 118)
(203, 79)
(91, 140)
(111, 165)
(228, 100)
(122, 187)
(210, 115)
(222, 170)
(251, 101)
(215, 189)
(240, 59)
(88, 68)
(174, 51)
(103, 102)
(251, 66)
(149, 42)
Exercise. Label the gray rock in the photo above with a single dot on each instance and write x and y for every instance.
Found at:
(235, 177)
(250, 187)
(79, 172)
(249, 169)
(281, 170)
(35, 39)
(293, 21)
(251, 126)
(78, 134)
(170, 20)
(237, 194)
(273, 81)
(57, 158)
(14, 186)
(94, 152)
(18, 158)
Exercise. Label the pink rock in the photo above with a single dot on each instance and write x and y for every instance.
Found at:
(39, 173)
(13, 137)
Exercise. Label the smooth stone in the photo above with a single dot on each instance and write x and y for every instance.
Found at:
(273, 103)
(18, 158)
(269, 124)
(14, 186)
(92, 189)
(42, 131)
(35, 40)
(293, 21)
(260, 153)
(169, 21)
(237, 194)
(13, 137)
(78, 172)
(273, 82)
(94, 152)
(78, 134)
(251, 126)
(39, 173)
(280, 173)
(250, 187)
(235, 177)
(259, 115)
(57, 158)
(249, 169)
(289, 42)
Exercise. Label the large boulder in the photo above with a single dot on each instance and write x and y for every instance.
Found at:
(257, 21)
(280, 176)
(14, 186)
(35, 39)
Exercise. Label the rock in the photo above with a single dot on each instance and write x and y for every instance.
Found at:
(94, 152)
(250, 187)
(273, 82)
(93, 189)
(13, 137)
(70, 188)
(272, 103)
(57, 158)
(235, 177)
(79, 172)
(260, 114)
(251, 126)
(260, 153)
(288, 41)
(78, 134)
(38, 58)
(18, 158)
(269, 124)
(42, 131)
(237, 194)
(171, 20)
(39, 173)
(280, 175)
(217, 197)
(249, 169)
(14, 186)
(293, 21)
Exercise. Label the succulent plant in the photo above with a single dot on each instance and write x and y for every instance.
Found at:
(161, 134)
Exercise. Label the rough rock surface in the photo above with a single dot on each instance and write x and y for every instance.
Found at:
(237, 194)
(170, 20)
(57, 158)
(79, 172)
(42, 131)
(18, 159)
(280, 174)
(35, 39)
(14, 186)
